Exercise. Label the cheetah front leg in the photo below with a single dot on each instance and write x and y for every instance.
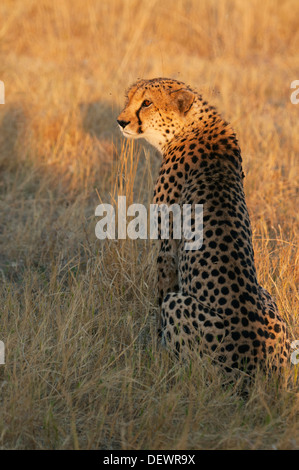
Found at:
(168, 278)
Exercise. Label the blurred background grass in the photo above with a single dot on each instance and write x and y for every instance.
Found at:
(83, 369)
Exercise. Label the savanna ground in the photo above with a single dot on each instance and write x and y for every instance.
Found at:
(83, 369)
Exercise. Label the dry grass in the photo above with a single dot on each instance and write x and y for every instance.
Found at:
(83, 369)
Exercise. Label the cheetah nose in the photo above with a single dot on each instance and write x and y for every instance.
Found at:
(123, 124)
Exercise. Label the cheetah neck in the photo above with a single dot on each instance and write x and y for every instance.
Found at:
(208, 137)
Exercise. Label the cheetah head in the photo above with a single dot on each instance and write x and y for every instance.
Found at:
(156, 110)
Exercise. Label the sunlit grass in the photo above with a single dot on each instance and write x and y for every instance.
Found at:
(83, 367)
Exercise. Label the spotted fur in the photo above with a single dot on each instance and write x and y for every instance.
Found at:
(210, 299)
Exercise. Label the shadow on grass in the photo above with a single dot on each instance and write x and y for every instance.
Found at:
(99, 120)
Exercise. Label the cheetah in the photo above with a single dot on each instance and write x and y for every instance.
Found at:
(210, 300)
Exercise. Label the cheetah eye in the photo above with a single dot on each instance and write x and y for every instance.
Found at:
(146, 103)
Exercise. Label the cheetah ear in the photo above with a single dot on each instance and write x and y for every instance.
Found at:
(184, 100)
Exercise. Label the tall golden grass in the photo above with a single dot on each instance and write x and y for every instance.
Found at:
(83, 367)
